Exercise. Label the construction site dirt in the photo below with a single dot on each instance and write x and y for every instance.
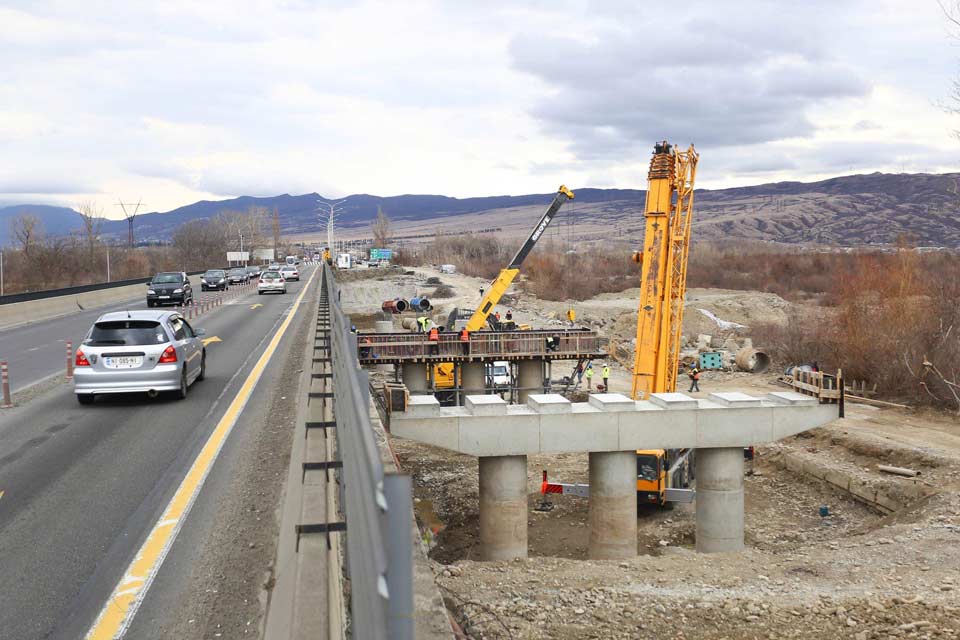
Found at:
(835, 547)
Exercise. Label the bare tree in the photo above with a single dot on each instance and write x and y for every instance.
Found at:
(381, 230)
(28, 231)
(92, 217)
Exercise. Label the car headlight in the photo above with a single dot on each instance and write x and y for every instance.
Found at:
(151, 292)
(178, 290)
(220, 280)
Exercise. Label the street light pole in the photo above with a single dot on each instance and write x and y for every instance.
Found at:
(330, 216)
(241, 249)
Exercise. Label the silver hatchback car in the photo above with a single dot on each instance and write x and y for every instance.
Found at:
(139, 352)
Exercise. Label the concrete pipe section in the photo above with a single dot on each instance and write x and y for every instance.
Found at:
(395, 306)
(613, 505)
(410, 324)
(419, 304)
(752, 360)
(503, 507)
(719, 500)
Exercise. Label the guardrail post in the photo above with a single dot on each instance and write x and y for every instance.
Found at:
(69, 360)
(5, 375)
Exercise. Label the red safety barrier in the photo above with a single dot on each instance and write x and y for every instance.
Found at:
(5, 375)
(69, 360)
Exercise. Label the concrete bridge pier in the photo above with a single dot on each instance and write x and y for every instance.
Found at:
(384, 326)
(414, 376)
(613, 505)
(503, 507)
(473, 379)
(719, 499)
(529, 379)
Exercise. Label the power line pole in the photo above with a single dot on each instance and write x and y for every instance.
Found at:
(130, 216)
(333, 209)
(276, 234)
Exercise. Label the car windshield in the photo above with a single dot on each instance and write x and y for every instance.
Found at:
(269, 275)
(647, 467)
(126, 332)
(162, 278)
(214, 274)
(251, 269)
(499, 371)
(237, 272)
(288, 269)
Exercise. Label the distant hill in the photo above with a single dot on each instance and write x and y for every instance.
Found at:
(848, 210)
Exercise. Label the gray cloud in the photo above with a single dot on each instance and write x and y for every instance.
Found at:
(715, 82)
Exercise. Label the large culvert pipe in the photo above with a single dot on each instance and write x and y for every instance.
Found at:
(752, 360)
(395, 306)
(410, 324)
(421, 304)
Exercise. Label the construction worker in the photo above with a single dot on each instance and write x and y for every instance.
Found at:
(465, 341)
(509, 315)
(481, 292)
(353, 328)
(427, 323)
(579, 372)
(497, 317)
(556, 342)
(433, 336)
(365, 346)
(589, 375)
(694, 375)
(422, 324)
(605, 373)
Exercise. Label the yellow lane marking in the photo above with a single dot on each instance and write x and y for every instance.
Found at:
(120, 608)
(256, 305)
(209, 340)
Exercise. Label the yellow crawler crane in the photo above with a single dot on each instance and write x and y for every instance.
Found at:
(663, 276)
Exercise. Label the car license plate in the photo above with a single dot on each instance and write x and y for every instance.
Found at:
(122, 362)
(163, 297)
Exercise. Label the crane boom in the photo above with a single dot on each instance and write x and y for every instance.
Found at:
(663, 277)
(503, 281)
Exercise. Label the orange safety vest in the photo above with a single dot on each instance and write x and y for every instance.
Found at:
(464, 336)
(434, 335)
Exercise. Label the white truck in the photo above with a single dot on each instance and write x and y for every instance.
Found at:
(448, 268)
(344, 261)
(498, 376)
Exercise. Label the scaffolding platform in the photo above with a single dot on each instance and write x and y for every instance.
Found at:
(484, 346)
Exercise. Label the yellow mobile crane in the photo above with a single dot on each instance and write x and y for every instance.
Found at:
(499, 286)
(663, 283)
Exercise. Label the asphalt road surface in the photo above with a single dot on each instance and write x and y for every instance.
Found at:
(35, 351)
(81, 486)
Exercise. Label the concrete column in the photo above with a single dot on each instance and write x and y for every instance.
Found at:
(414, 375)
(384, 326)
(503, 507)
(613, 505)
(474, 378)
(529, 379)
(719, 499)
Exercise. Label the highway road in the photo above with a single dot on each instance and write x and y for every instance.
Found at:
(35, 351)
(81, 487)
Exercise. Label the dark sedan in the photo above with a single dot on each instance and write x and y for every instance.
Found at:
(169, 287)
(214, 279)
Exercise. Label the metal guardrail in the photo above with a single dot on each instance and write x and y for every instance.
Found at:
(376, 505)
(82, 288)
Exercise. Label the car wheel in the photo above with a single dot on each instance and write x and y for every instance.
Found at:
(182, 391)
(203, 366)
(150, 303)
(260, 293)
(85, 398)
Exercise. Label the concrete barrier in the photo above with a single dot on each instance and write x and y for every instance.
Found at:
(19, 313)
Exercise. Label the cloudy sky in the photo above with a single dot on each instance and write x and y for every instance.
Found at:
(178, 101)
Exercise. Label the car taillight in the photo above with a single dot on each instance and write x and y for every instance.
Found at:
(282, 280)
(81, 360)
(169, 355)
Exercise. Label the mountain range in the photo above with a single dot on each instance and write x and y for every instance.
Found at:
(849, 210)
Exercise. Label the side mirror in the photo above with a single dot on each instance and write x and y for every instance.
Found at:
(147, 283)
(200, 331)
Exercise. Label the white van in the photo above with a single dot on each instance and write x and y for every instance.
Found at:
(344, 261)
(448, 268)
(498, 375)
